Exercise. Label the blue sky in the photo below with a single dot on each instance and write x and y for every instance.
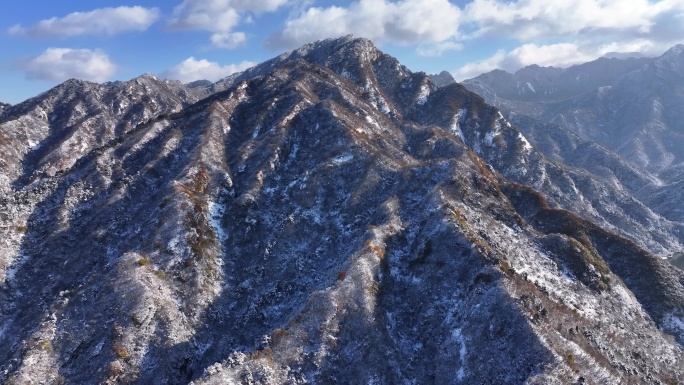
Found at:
(46, 42)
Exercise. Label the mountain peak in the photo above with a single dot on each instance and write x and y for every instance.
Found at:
(3, 107)
(323, 50)
(676, 50)
(442, 79)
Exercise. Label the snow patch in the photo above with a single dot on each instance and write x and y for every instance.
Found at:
(12, 271)
(341, 159)
(216, 212)
(489, 138)
(458, 337)
(673, 322)
(455, 128)
(423, 94)
(527, 147)
(530, 87)
(33, 145)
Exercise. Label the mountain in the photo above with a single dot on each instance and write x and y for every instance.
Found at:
(626, 115)
(629, 106)
(442, 79)
(3, 106)
(47, 134)
(533, 85)
(327, 216)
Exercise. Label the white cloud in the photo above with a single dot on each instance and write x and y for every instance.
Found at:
(582, 30)
(104, 21)
(533, 19)
(437, 49)
(405, 22)
(220, 17)
(554, 55)
(229, 40)
(59, 64)
(192, 69)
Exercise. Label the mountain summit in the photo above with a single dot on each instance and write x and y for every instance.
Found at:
(327, 216)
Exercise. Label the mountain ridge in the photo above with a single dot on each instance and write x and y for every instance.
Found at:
(633, 115)
(328, 216)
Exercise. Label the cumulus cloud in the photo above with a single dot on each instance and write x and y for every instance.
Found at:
(405, 22)
(59, 64)
(606, 20)
(104, 21)
(228, 40)
(192, 69)
(220, 17)
(557, 55)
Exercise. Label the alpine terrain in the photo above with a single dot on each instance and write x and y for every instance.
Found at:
(326, 217)
(618, 116)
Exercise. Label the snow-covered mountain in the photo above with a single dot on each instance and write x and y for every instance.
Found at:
(442, 79)
(3, 106)
(627, 116)
(631, 106)
(327, 216)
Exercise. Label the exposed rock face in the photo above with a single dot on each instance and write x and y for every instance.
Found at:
(325, 217)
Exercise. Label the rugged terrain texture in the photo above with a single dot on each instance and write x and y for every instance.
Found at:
(631, 106)
(615, 118)
(325, 217)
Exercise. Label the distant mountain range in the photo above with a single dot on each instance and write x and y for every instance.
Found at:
(329, 216)
(628, 109)
(631, 106)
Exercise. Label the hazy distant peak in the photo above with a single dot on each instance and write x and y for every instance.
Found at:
(677, 50)
(442, 79)
(536, 70)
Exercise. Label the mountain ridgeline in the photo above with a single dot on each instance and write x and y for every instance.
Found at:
(327, 216)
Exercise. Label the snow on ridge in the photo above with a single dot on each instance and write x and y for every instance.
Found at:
(341, 159)
(216, 212)
(527, 147)
(423, 94)
(458, 337)
(456, 124)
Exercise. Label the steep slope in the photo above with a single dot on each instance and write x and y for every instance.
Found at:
(629, 124)
(45, 136)
(661, 194)
(631, 107)
(639, 113)
(63, 124)
(327, 218)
